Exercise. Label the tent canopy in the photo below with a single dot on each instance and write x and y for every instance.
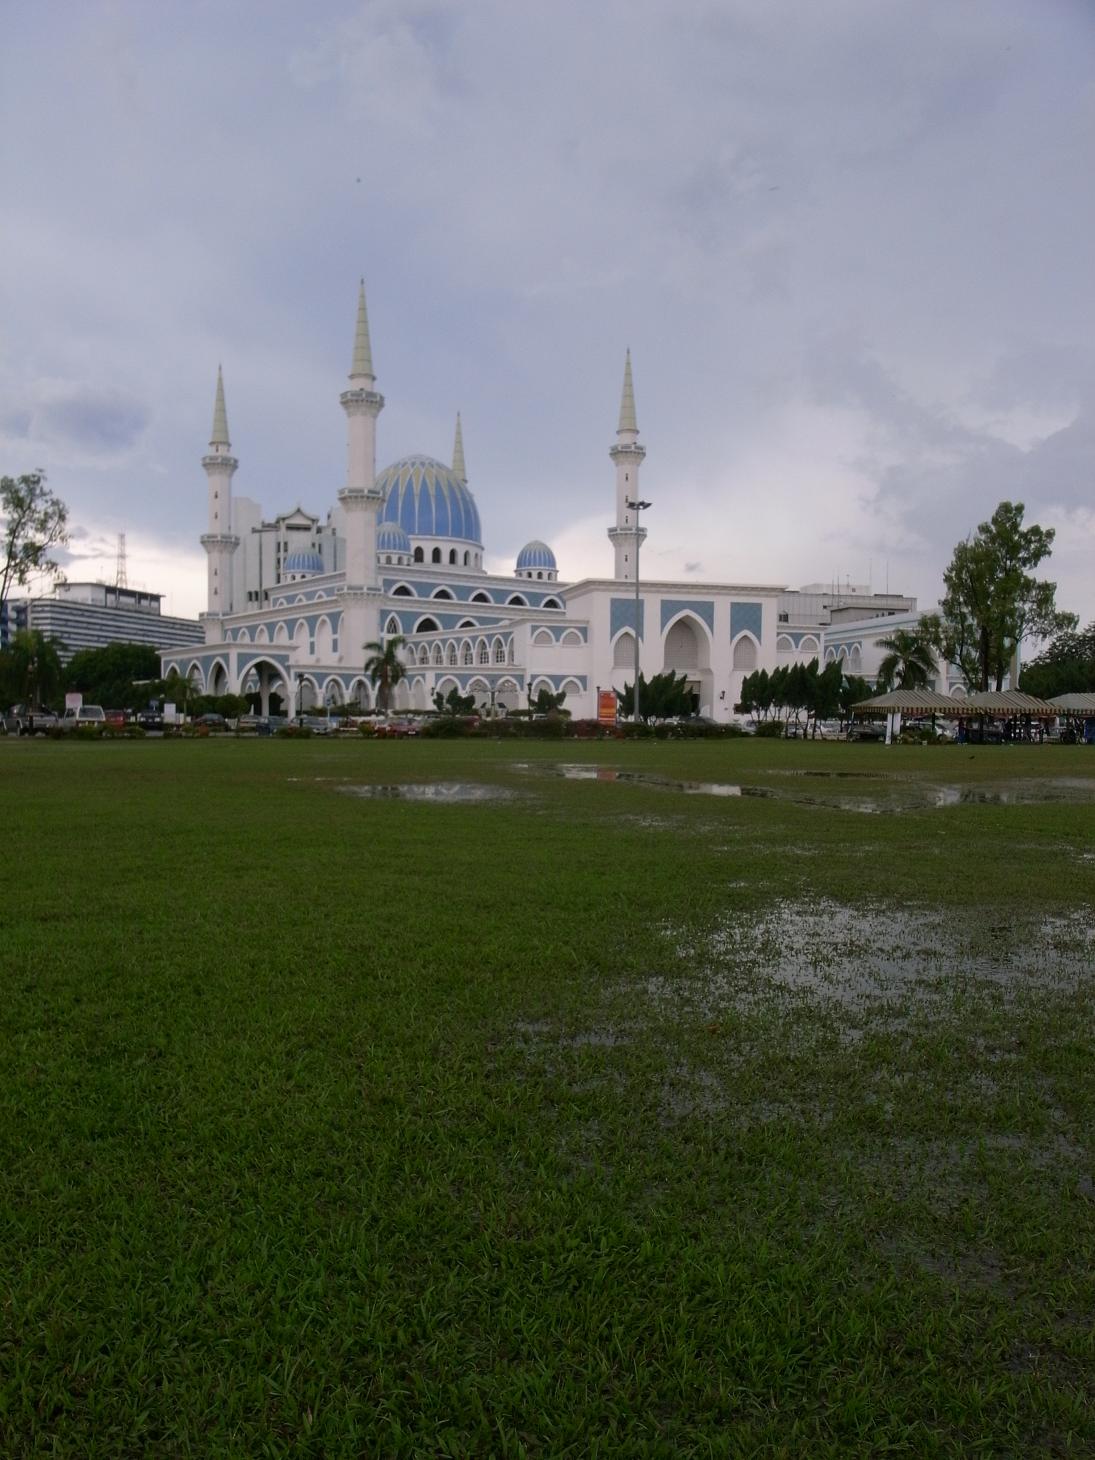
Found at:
(1005, 704)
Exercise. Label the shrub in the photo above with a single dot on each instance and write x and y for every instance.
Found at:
(769, 729)
(292, 732)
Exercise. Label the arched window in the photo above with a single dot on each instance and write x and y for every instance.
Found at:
(467, 623)
(442, 593)
(483, 598)
(745, 653)
(450, 657)
(465, 560)
(551, 603)
(419, 557)
(517, 600)
(435, 556)
(623, 652)
(392, 627)
(438, 654)
(540, 575)
(499, 652)
(542, 637)
(452, 557)
(404, 592)
(468, 654)
(484, 652)
(427, 626)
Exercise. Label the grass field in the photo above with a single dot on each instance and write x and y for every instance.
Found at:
(597, 1119)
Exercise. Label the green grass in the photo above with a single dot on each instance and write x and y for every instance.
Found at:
(604, 1120)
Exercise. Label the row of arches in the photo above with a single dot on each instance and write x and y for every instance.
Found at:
(462, 652)
(807, 645)
(513, 600)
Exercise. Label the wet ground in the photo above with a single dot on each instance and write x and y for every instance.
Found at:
(448, 792)
(887, 795)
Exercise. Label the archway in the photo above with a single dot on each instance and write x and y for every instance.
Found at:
(687, 651)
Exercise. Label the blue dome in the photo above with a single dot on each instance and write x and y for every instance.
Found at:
(536, 554)
(391, 538)
(427, 499)
(303, 563)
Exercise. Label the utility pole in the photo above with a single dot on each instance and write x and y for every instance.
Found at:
(637, 507)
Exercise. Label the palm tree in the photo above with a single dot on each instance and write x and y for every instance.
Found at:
(385, 668)
(909, 663)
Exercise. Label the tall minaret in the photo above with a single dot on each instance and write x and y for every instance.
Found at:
(219, 542)
(459, 469)
(628, 456)
(359, 499)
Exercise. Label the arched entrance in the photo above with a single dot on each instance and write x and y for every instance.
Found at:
(687, 651)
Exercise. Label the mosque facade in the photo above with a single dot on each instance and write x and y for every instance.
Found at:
(292, 603)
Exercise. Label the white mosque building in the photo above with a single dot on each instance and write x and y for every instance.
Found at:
(292, 602)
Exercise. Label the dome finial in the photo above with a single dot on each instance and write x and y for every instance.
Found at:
(219, 435)
(363, 352)
(628, 421)
(458, 452)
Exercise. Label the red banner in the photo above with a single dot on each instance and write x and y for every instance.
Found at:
(606, 706)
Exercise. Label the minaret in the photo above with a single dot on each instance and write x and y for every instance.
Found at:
(219, 542)
(459, 469)
(628, 455)
(359, 499)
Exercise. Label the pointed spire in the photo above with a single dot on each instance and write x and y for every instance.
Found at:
(363, 353)
(459, 469)
(220, 416)
(627, 402)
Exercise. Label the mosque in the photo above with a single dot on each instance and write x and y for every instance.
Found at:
(293, 601)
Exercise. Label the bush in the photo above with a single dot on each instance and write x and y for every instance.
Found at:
(769, 729)
(366, 728)
(291, 732)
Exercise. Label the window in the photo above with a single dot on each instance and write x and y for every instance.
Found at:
(482, 598)
(467, 656)
(435, 556)
(465, 560)
(418, 555)
(484, 653)
(450, 657)
(499, 653)
(452, 556)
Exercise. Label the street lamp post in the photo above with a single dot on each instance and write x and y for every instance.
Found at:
(637, 507)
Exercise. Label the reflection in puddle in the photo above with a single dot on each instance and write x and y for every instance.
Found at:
(891, 796)
(437, 791)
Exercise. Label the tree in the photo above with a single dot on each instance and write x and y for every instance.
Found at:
(385, 668)
(454, 703)
(853, 691)
(548, 703)
(32, 522)
(665, 697)
(116, 675)
(30, 669)
(1065, 666)
(993, 601)
(909, 663)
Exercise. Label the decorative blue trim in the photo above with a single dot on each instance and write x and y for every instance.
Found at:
(703, 608)
(622, 616)
(747, 618)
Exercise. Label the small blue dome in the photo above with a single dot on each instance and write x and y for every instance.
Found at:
(427, 499)
(391, 538)
(303, 563)
(536, 554)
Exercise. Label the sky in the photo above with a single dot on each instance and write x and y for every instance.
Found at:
(848, 244)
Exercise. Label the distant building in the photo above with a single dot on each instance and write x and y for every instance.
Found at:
(92, 615)
(292, 602)
(13, 617)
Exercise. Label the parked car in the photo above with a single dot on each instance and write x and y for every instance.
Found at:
(866, 730)
(117, 719)
(211, 721)
(86, 717)
(150, 719)
(317, 724)
(22, 721)
(396, 729)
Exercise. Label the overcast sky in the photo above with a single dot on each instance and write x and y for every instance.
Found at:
(849, 243)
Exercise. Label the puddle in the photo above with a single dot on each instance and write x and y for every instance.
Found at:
(892, 796)
(866, 960)
(445, 792)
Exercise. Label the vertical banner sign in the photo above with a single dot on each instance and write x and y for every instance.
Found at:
(606, 706)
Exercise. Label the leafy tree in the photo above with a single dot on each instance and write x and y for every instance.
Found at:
(665, 697)
(1065, 666)
(116, 675)
(385, 668)
(909, 662)
(454, 703)
(993, 601)
(32, 522)
(853, 691)
(547, 703)
(30, 669)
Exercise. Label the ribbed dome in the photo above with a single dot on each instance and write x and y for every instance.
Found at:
(536, 554)
(390, 538)
(302, 563)
(427, 499)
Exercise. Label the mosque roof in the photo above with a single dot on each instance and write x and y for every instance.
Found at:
(390, 538)
(302, 562)
(536, 554)
(428, 499)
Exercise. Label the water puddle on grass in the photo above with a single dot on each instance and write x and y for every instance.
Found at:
(870, 960)
(439, 792)
(892, 795)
